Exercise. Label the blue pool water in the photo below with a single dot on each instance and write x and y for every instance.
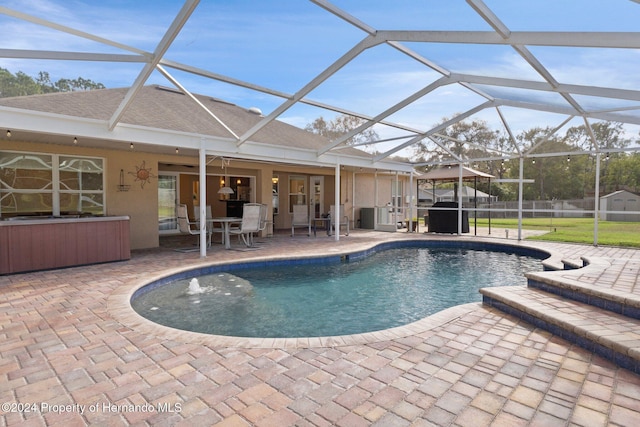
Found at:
(390, 288)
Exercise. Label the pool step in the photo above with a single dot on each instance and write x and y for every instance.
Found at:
(611, 335)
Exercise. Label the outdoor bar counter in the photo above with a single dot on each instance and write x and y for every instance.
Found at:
(30, 244)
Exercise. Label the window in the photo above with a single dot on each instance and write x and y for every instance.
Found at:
(297, 191)
(81, 185)
(396, 193)
(50, 184)
(275, 193)
(167, 202)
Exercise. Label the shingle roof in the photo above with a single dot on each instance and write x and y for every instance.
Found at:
(164, 108)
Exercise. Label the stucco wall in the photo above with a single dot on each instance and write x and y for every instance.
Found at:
(140, 204)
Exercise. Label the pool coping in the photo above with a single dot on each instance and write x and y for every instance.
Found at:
(119, 301)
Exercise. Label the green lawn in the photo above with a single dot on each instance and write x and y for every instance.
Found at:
(574, 230)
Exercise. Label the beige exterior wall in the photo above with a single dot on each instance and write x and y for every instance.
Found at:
(375, 190)
(140, 202)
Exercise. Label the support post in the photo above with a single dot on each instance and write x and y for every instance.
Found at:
(460, 199)
(520, 188)
(336, 213)
(596, 208)
(396, 206)
(375, 199)
(411, 203)
(202, 168)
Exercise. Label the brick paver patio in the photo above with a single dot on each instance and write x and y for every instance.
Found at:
(70, 356)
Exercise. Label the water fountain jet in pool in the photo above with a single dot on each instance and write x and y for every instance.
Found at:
(194, 287)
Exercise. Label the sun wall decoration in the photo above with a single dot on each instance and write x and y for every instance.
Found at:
(142, 174)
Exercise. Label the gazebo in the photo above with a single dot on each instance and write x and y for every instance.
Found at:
(456, 174)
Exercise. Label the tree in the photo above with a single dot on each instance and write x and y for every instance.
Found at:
(608, 135)
(621, 172)
(21, 84)
(18, 85)
(465, 139)
(556, 177)
(340, 126)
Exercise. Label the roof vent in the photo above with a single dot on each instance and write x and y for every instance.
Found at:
(256, 111)
(169, 89)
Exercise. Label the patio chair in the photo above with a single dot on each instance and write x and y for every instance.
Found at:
(300, 218)
(340, 217)
(251, 220)
(264, 215)
(188, 227)
(211, 228)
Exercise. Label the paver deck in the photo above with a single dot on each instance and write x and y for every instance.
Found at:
(69, 354)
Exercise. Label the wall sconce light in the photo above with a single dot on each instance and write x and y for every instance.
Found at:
(177, 150)
(131, 146)
(8, 133)
(75, 140)
(239, 181)
(533, 161)
(568, 158)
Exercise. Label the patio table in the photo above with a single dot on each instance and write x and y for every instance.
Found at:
(226, 222)
(327, 225)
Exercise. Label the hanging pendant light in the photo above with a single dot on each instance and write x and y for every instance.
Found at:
(225, 189)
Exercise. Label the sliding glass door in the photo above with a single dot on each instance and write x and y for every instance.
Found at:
(167, 202)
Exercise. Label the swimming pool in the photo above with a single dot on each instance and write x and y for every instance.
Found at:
(363, 292)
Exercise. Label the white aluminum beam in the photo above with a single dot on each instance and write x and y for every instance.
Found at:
(490, 17)
(69, 30)
(611, 117)
(364, 44)
(548, 135)
(613, 40)
(435, 129)
(400, 105)
(70, 56)
(372, 31)
(177, 24)
(603, 92)
(177, 84)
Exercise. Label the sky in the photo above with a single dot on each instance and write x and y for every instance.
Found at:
(284, 44)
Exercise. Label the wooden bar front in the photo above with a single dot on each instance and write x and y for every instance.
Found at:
(41, 244)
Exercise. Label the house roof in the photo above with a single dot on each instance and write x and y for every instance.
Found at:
(452, 173)
(165, 108)
(160, 108)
